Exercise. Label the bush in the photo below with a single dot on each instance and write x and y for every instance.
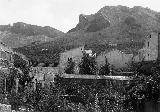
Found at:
(145, 85)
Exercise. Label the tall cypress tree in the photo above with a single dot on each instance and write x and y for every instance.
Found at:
(70, 66)
(104, 70)
(87, 65)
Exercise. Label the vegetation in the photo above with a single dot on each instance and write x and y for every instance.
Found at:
(86, 95)
(17, 99)
(91, 95)
(70, 66)
(30, 30)
(88, 65)
(105, 70)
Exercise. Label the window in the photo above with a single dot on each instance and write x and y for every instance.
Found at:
(148, 44)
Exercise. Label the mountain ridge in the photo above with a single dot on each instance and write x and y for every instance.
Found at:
(30, 30)
(21, 34)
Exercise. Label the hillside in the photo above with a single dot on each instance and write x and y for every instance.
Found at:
(22, 34)
(125, 26)
(31, 30)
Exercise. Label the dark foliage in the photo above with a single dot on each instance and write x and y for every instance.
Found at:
(82, 91)
(11, 79)
(88, 65)
(70, 66)
(104, 70)
(145, 86)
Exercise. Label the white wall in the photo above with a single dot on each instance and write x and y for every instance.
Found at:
(75, 54)
(116, 58)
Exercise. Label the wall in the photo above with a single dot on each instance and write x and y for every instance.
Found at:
(75, 54)
(150, 51)
(119, 59)
(116, 58)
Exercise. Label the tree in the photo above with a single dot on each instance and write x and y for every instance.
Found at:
(70, 66)
(22, 73)
(88, 65)
(145, 85)
(104, 70)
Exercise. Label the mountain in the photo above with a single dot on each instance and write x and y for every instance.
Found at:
(121, 25)
(31, 30)
(22, 34)
(116, 25)
(118, 16)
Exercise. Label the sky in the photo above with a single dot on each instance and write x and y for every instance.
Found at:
(60, 14)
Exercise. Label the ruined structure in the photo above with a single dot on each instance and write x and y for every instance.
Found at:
(76, 55)
(151, 49)
(119, 59)
(116, 58)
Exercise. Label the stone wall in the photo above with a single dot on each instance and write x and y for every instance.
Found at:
(150, 50)
(116, 58)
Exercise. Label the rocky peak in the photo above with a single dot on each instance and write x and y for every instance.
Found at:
(91, 23)
(117, 16)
